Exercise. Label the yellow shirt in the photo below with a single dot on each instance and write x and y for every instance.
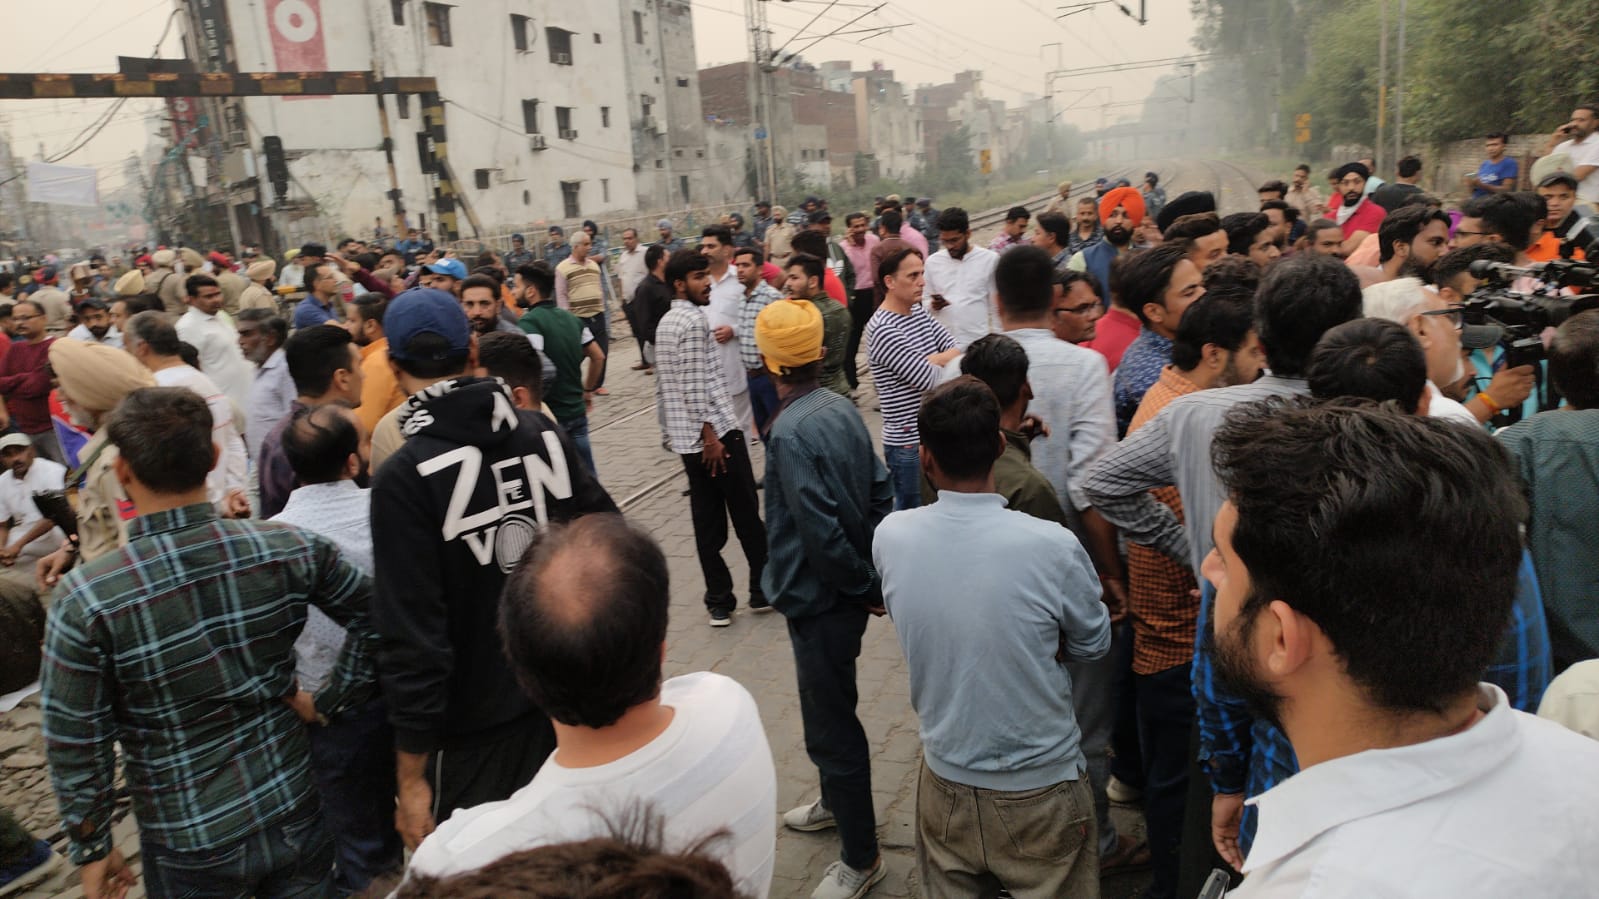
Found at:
(585, 296)
(379, 391)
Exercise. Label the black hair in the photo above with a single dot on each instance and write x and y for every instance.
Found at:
(1505, 215)
(1320, 225)
(1497, 135)
(1279, 205)
(891, 263)
(682, 263)
(314, 356)
(810, 265)
(1369, 358)
(1242, 228)
(891, 221)
(1409, 166)
(6, 280)
(93, 303)
(319, 441)
(540, 277)
(1232, 276)
(190, 354)
(756, 255)
(1189, 228)
(652, 256)
(164, 434)
(722, 233)
(5, 310)
(1024, 281)
(1057, 226)
(368, 261)
(1340, 507)
(1146, 275)
(1300, 298)
(371, 306)
(1302, 167)
(481, 280)
(1403, 225)
(270, 322)
(953, 218)
(1018, 212)
(1458, 261)
(959, 426)
(1574, 359)
(1067, 277)
(512, 359)
(1273, 186)
(1212, 319)
(193, 283)
(485, 271)
(155, 330)
(587, 652)
(1001, 363)
(811, 242)
(309, 277)
(853, 216)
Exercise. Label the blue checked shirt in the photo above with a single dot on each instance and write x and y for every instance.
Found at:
(1243, 753)
(689, 385)
(180, 646)
(749, 355)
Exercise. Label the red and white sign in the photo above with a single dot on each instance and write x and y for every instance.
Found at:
(296, 29)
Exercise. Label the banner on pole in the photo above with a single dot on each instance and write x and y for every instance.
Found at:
(65, 185)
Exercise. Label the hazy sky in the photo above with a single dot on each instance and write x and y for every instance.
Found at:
(1002, 38)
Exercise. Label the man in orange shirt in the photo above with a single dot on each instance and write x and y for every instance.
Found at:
(1559, 192)
(379, 390)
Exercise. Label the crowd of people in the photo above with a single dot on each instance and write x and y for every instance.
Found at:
(1268, 523)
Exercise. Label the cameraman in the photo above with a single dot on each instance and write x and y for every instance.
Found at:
(1506, 388)
(1557, 454)
(1501, 218)
(1559, 192)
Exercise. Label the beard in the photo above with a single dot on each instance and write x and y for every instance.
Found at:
(1410, 268)
(1230, 375)
(1352, 197)
(1118, 235)
(100, 333)
(1239, 671)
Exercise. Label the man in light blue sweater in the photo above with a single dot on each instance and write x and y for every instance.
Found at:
(1002, 793)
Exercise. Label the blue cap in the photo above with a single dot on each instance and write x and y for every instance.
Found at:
(453, 267)
(425, 310)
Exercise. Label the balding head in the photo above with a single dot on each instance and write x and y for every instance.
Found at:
(583, 620)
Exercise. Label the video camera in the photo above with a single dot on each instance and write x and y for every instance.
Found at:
(1522, 316)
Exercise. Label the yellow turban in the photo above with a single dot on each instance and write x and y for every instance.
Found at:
(261, 270)
(192, 260)
(789, 334)
(96, 376)
(163, 258)
(131, 284)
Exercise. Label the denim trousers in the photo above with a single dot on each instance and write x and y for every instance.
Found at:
(578, 430)
(825, 649)
(352, 759)
(288, 859)
(905, 470)
(1165, 724)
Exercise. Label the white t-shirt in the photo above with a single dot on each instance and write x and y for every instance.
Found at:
(710, 770)
(968, 284)
(232, 466)
(16, 503)
(1584, 153)
(1440, 406)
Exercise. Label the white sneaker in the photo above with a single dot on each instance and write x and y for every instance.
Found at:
(1121, 792)
(843, 882)
(809, 817)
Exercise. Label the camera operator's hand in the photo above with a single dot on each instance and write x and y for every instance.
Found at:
(1510, 387)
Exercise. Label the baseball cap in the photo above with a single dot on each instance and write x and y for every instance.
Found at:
(663, 223)
(450, 266)
(426, 310)
(1553, 178)
(820, 216)
(11, 440)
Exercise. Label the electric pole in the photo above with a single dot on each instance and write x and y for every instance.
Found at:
(1382, 81)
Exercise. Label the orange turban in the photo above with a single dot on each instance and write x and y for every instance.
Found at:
(1125, 197)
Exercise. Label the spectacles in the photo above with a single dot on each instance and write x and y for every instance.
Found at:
(1083, 309)
(1454, 315)
(1461, 232)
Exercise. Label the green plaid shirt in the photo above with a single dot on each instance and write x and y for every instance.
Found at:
(180, 646)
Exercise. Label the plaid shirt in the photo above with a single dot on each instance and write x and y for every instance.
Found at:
(689, 386)
(749, 355)
(1159, 598)
(180, 646)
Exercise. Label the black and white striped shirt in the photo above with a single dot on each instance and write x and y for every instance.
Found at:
(897, 347)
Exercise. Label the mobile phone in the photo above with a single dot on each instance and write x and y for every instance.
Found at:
(1215, 885)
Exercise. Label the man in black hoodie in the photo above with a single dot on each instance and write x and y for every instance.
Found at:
(452, 512)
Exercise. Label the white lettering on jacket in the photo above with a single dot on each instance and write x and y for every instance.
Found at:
(519, 483)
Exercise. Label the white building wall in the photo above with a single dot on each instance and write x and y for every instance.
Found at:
(483, 80)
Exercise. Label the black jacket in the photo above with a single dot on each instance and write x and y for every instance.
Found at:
(448, 525)
(651, 299)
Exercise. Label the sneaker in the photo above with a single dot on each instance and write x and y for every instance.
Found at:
(721, 619)
(759, 603)
(1118, 791)
(815, 816)
(843, 882)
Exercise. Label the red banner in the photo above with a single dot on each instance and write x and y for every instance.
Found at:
(184, 112)
(296, 29)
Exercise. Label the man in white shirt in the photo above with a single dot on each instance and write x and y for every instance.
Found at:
(727, 301)
(1579, 142)
(630, 268)
(25, 534)
(960, 280)
(262, 333)
(1342, 617)
(153, 341)
(690, 750)
(94, 325)
(1437, 325)
(215, 338)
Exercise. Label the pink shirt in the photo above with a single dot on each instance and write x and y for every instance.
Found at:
(913, 237)
(861, 258)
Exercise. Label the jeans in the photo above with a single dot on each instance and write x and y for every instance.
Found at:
(596, 326)
(905, 470)
(352, 759)
(1036, 843)
(860, 309)
(578, 430)
(1094, 700)
(1126, 756)
(1165, 724)
(825, 649)
(711, 501)
(763, 400)
(290, 858)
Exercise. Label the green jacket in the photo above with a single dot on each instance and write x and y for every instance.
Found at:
(835, 337)
(563, 344)
(1025, 489)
